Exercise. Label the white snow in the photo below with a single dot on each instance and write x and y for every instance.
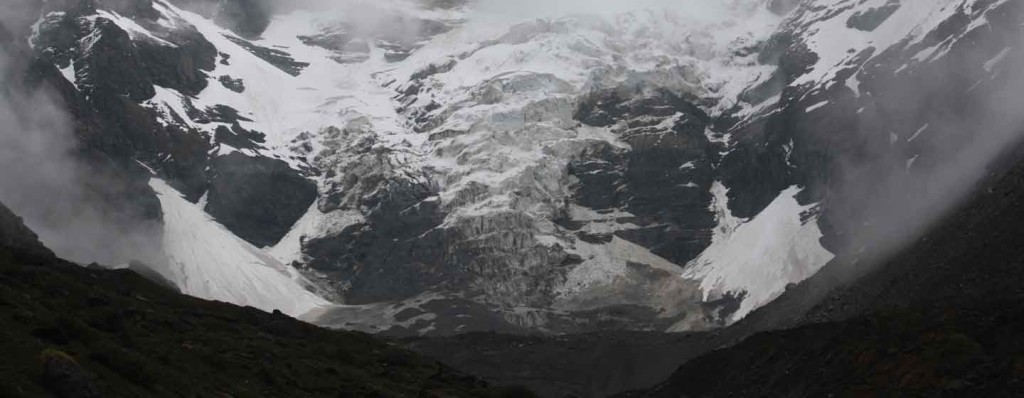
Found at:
(69, 73)
(208, 261)
(759, 257)
(817, 106)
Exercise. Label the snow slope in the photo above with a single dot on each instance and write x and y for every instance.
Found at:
(760, 257)
(207, 261)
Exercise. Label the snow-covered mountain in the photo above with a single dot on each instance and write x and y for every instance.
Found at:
(415, 166)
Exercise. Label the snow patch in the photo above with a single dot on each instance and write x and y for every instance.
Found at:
(208, 261)
(759, 257)
(817, 106)
(69, 73)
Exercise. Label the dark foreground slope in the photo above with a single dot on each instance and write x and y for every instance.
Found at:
(75, 332)
(944, 317)
(948, 349)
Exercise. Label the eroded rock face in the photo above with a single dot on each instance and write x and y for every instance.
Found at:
(112, 64)
(663, 180)
(120, 56)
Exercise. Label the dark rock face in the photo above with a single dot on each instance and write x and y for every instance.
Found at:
(112, 65)
(236, 137)
(389, 240)
(57, 38)
(114, 74)
(871, 19)
(665, 178)
(400, 252)
(236, 85)
(278, 58)
(182, 67)
(257, 198)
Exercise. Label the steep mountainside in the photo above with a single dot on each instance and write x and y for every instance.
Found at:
(421, 167)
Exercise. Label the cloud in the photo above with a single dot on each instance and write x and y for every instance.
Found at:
(44, 176)
(523, 9)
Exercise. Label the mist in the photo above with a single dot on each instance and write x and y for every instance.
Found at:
(45, 176)
(528, 9)
(967, 127)
(398, 18)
